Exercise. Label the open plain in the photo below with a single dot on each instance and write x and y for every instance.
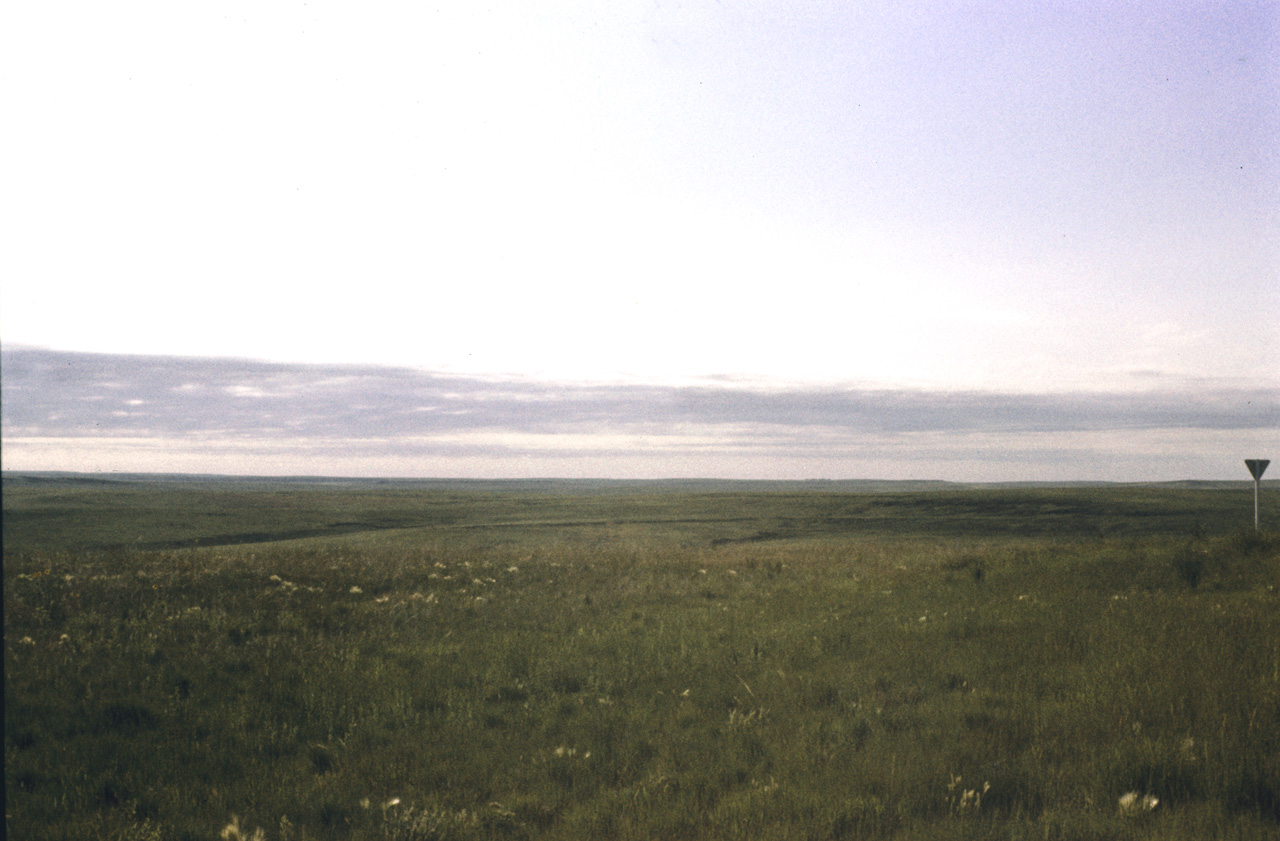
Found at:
(187, 658)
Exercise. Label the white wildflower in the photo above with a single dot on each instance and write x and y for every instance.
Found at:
(969, 800)
(355, 591)
(1134, 804)
(233, 832)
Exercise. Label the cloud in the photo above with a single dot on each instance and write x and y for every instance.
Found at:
(307, 415)
(80, 394)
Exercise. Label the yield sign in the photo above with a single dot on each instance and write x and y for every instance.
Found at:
(1257, 466)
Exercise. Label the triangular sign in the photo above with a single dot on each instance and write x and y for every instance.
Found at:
(1257, 466)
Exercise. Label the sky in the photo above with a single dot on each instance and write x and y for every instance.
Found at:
(979, 241)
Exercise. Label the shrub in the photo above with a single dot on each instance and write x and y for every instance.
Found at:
(1189, 565)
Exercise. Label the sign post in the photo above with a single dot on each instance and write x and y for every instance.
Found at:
(1257, 466)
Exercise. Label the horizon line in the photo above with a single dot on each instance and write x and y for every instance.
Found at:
(320, 477)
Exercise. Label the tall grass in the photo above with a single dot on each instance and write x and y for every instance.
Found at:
(633, 680)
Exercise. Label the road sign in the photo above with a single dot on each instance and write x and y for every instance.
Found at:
(1257, 466)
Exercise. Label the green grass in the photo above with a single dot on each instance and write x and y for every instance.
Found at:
(949, 664)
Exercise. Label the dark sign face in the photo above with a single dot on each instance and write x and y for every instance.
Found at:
(1257, 466)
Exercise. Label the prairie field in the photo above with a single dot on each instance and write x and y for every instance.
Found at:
(196, 659)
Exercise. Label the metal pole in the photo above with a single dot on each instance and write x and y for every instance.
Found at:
(1257, 466)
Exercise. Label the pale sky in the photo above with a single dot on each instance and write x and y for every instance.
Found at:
(1063, 204)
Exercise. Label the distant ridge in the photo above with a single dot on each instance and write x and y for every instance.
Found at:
(554, 485)
(550, 485)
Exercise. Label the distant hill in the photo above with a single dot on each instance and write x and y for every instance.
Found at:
(707, 485)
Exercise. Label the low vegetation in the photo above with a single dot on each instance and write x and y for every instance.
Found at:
(465, 664)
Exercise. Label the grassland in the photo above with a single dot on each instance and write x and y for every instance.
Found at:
(636, 662)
